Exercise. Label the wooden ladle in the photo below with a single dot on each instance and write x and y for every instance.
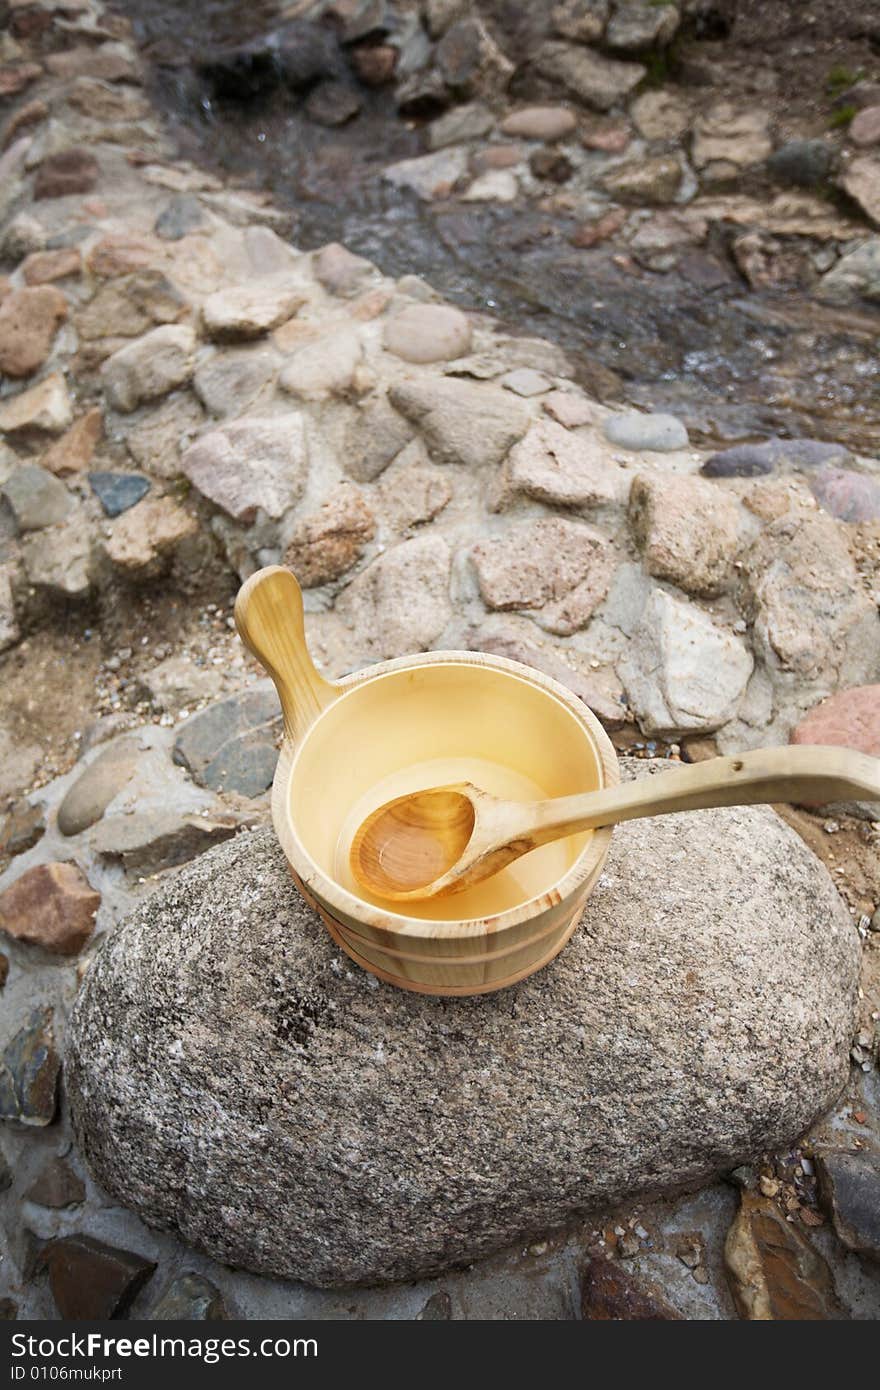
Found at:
(431, 843)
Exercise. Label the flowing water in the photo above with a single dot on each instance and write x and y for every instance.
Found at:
(732, 362)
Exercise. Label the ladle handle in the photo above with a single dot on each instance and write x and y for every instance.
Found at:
(799, 774)
(269, 618)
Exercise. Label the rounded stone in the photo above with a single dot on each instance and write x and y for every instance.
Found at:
(656, 433)
(236, 1079)
(865, 127)
(428, 333)
(850, 718)
(86, 800)
(540, 123)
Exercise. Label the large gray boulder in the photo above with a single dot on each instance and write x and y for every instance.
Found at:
(233, 1077)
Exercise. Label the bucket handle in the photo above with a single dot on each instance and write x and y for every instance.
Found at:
(269, 619)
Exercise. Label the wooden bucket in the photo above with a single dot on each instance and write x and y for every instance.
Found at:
(411, 719)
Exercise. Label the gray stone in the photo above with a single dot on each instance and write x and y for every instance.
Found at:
(804, 163)
(251, 464)
(460, 124)
(118, 491)
(655, 433)
(59, 559)
(150, 367)
(249, 311)
(653, 181)
(581, 20)
(88, 797)
(558, 566)
(400, 603)
(635, 26)
(683, 674)
(324, 366)
(850, 1184)
(597, 81)
(700, 1016)
(156, 839)
(190, 1298)
(36, 497)
(29, 1069)
(427, 333)
(232, 742)
(340, 271)
(462, 422)
(848, 496)
(775, 456)
(333, 103)
(567, 468)
(687, 529)
(812, 622)
(230, 381)
(856, 276)
(40, 410)
(429, 175)
(183, 214)
(56, 1187)
(22, 828)
(9, 628)
(540, 123)
(374, 435)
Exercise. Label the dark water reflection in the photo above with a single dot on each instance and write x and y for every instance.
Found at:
(732, 362)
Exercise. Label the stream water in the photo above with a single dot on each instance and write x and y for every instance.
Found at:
(732, 362)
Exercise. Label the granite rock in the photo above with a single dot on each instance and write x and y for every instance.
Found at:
(463, 422)
(687, 529)
(274, 477)
(701, 1015)
(400, 603)
(52, 906)
(154, 365)
(682, 672)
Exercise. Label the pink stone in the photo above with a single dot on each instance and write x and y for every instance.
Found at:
(850, 719)
(865, 128)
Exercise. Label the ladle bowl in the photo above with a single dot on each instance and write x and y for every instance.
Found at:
(414, 722)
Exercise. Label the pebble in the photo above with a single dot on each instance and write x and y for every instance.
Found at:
(568, 469)
(462, 422)
(277, 455)
(553, 562)
(43, 267)
(22, 827)
(230, 381)
(118, 491)
(325, 545)
(688, 531)
(495, 186)
(150, 367)
(846, 495)
(849, 719)
(56, 1187)
(428, 333)
(231, 744)
(775, 455)
(341, 272)
(37, 498)
(91, 1281)
(461, 124)
(249, 311)
(58, 559)
(429, 175)
(805, 163)
(89, 795)
(29, 320)
(74, 450)
(850, 1186)
(540, 123)
(324, 366)
(333, 103)
(68, 172)
(864, 128)
(189, 1298)
(525, 381)
(52, 906)
(142, 537)
(29, 1069)
(183, 214)
(653, 433)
